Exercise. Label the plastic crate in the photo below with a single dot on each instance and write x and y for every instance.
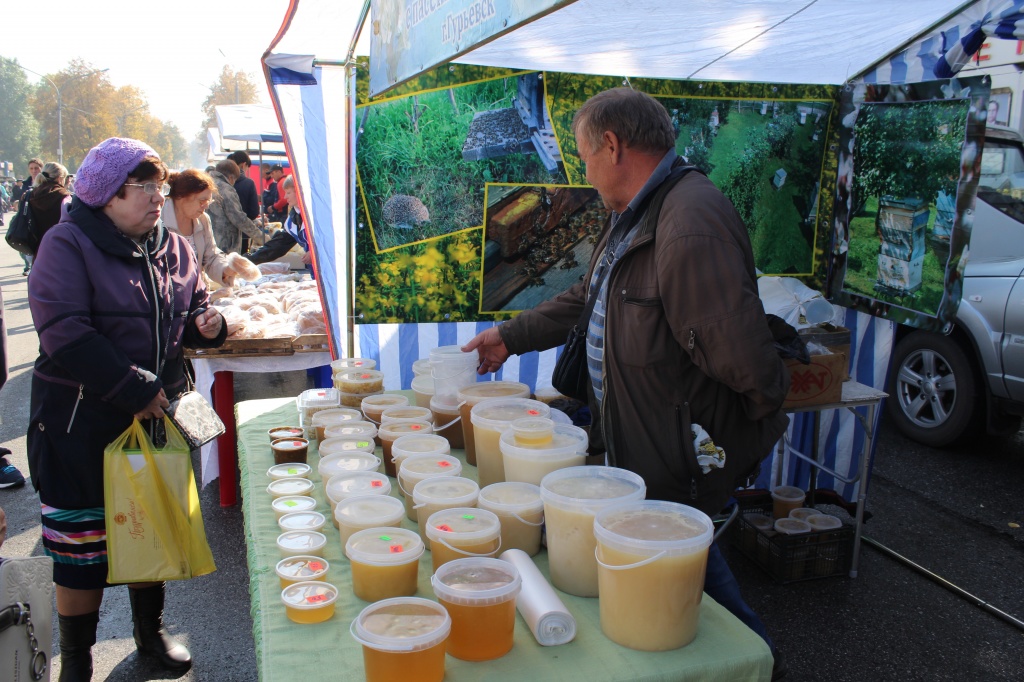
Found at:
(792, 558)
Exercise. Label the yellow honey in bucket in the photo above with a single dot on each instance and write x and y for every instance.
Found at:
(403, 640)
(490, 419)
(419, 468)
(367, 511)
(431, 495)
(470, 395)
(521, 512)
(479, 595)
(462, 532)
(385, 562)
(652, 556)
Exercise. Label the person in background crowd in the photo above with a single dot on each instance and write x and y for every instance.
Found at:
(185, 213)
(10, 477)
(5, 201)
(269, 196)
(229, 220)
(677, 337)
(114, 298)
(48, 195)
(244, 185)
(35, 166)
(290, 234)
(273, 196)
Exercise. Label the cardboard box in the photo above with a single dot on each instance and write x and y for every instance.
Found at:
(818, 383)
(835, 339)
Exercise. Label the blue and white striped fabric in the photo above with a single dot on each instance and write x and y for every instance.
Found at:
(396, 346)
(841, 439)
(946, 50)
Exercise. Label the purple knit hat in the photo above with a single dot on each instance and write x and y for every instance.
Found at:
(106, 168)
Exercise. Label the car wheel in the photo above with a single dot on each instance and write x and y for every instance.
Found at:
(932, 390)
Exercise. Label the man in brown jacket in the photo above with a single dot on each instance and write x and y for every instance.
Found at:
(677, 336)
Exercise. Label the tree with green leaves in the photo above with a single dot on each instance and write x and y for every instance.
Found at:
(909, 149)
(232, 87)
(19, 130)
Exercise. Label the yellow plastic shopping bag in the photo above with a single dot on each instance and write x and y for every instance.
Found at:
(154, 523)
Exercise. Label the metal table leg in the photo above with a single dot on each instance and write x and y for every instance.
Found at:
(862, 491)
(223, 393)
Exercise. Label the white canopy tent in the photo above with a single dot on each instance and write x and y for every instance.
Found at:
(810, 42)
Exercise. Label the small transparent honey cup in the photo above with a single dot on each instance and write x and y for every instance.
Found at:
(288, 450)
(303, 520)
(290, 487)
(333, 465)
(292, 503)
(385, 562)
(360, 512)
(279, 432)
(289, 470)
(353, 429)
(301, 568)
(346, 445)
(301, 542)
(310, 601)
(359, 381)
(403, 639)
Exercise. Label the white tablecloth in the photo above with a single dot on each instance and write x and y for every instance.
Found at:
(205, 369)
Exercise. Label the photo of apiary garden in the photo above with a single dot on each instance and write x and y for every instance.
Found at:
(905, 183)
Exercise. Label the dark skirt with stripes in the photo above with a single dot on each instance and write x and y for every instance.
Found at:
(76, 540)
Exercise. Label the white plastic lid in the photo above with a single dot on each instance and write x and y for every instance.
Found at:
(375, 404)
(302, 567)
(824, 522)
(421, 366)
(789, 526)
(454, 490)
(344, 445)
(395, 430)
(420, 444)
(362, 429)
(359, 378)
(650, 527)
(499, 413)
(290, 487)
(423, 383)
(402, 624)
(289, 470)
(452, 355)
(332, 465)
(309, 595)
(463, 525)
(357, 483)
(485, 390)
(301, 541)
(405, 413)
(303, 520)
(419, 467)
(279, 432)
(788, 493)
(511, 497)
(292, 503)
(384, 546)
(476, 581)
(337, 415)
(352, 363)
(375, 510)
(589, 488)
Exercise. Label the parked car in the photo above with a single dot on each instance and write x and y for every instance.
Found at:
(945, 388)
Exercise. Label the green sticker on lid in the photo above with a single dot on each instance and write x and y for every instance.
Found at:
(385, 538)
(363, 443)
(293, 470)
(290, 503)
(468, 516)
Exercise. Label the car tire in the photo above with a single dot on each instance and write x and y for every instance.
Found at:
(933, 390)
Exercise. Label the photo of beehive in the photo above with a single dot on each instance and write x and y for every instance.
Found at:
(538, 240)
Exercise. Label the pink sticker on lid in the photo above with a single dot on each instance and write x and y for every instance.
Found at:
(315, 566)
(365, 376)
(316, 598)
(396, 549)
(415, 427)
(376, 484)
(445, 527)
(533, 413)
(442, 463)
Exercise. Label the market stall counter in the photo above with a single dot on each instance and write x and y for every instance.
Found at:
(724, 649)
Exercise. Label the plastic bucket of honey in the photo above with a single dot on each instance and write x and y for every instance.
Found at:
(651, 559)
(367, 511)
(462, 532)
(385, 562)
(403, 639)
(480, 597)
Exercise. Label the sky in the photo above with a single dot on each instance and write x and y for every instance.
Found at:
(170, 50)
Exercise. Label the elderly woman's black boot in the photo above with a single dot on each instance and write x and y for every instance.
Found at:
(77, 635)
(151, 637)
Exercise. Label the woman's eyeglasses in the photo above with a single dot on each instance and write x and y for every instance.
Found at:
(151, 188)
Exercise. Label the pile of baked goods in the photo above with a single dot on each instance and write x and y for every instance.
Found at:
(275, 304)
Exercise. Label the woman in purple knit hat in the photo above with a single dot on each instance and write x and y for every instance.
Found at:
(114, 299)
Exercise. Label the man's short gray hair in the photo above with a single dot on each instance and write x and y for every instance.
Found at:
(287, 181)
(639, 121)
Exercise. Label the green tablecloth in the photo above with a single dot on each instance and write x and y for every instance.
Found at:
(724, 649)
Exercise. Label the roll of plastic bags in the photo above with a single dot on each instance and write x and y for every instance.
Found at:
(545, 614)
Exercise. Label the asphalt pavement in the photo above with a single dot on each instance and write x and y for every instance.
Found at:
(957, 512)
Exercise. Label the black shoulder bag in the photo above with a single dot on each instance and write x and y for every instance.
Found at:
(21, 235)
(571, 375)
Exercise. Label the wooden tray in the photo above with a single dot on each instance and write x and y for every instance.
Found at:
(310, 343)
(243, 348)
